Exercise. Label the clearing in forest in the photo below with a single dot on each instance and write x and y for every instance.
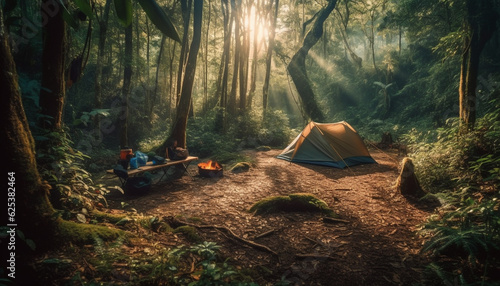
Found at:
(376, 245)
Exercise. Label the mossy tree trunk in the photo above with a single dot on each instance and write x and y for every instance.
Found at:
(34, 213)
(297, 66)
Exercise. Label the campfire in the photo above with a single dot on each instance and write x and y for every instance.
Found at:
(210, 169)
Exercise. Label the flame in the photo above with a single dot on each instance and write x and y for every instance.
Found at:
(210, 165)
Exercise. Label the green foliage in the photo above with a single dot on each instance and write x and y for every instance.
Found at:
(464, 237)
(195, 265)
(190, 233)
(62, 167)
(244, 132)
(123, 10)
(292, 203)
(160, 19)
(275, 130)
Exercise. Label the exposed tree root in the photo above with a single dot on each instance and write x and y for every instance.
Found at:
(176, 223)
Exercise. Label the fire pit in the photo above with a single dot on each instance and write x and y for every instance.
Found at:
(210, 169)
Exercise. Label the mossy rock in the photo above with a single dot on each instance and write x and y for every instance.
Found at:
(190, 233)
(263, 148)
(300, 202)
(241, 167)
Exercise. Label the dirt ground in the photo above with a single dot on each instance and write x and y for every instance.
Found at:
(377, 244)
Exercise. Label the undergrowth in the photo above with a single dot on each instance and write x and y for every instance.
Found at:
(463, 237)
(62, 166)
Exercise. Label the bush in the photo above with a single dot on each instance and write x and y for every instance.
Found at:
(465, 236)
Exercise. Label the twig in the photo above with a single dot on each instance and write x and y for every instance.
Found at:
(267, 233)
(312, 240)
(314, 256)
(334, 220)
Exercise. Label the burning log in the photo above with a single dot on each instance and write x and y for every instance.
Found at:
(210, 169)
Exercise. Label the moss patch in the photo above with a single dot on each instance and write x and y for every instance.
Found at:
(107, 217)
(299, 202)
(84, 233)
(241, 167)
(263, 148)
(190, 233)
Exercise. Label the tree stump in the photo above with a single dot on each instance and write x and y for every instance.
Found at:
(386, 141)
(407, 182)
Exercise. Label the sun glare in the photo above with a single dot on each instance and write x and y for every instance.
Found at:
(256, 26)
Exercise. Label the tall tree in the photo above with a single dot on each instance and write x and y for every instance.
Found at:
(480, 25)
(103, 29)
(34, 213)
(53, 84)
(186, 14)
(343, 23)
(255, 50)
(235, 16)
(244, 59)
(265, 88)
(127, 78)
(180, 123)
(222, 80)
(297, 66)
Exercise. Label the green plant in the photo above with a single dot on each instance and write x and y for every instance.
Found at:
(62, 167)
(469, 237)
(108, 255)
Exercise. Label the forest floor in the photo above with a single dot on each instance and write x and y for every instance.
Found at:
(377, 243)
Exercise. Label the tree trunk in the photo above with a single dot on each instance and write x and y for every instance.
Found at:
(180, 122)
(34, 213)
(171, 86)
(101, 48)
(297, 66)
(343, 24)
(265, 88)
(186, 15)
(244, 58)
(222, 81)
(235, 12)
(255, 50)
(157, 76)
(127, 77)
(205, 66)
(481, 25)
(53, 84)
